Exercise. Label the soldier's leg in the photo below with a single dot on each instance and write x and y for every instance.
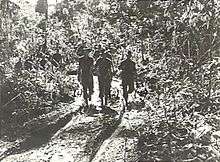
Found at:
(90, 92)
(101, 89)
(90, 87)
(125, 91)
(85, 93)
(131, 85)
(107, 91)
(106, 100)
(85, 89)
(102, 102)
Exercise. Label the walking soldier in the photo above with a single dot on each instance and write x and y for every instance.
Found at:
(105, 71)
(127, 75)
(85, 75)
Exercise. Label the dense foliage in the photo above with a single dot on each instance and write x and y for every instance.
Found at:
(174, 43)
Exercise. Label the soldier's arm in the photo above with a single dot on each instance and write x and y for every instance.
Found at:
(79, 71)
(134, 71)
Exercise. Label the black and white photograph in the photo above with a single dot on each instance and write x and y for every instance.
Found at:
(109, 80)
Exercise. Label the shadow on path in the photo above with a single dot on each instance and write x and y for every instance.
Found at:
(107, 131)
(38, 137)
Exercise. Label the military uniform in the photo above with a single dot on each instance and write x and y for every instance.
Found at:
(128, 75)
(86, 76)
(104, 66)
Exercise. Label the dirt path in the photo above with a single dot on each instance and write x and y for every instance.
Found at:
(70, 141)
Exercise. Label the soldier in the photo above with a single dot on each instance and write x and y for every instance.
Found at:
(105, 71)
(109, 56)
(127, 75)
(85, 75)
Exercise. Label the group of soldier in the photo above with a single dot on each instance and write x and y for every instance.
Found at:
(103, 68)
